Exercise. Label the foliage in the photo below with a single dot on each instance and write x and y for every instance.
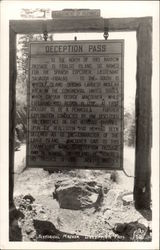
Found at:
(23, 53)
(22, 74)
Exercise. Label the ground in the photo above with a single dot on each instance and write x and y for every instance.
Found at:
(42, 219)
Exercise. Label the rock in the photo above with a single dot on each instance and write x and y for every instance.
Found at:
(29, 198)
(115, 177)
(119, 228)
(131, 231)
(127, 199)
(15, 214)
(20, 160)
(20, 132)
(75, 194)
(29, 229)
(110, 199)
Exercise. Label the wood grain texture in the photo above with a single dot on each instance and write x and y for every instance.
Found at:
(57, 26)
(12, 110)
(77, 25)
(142, 191)
(125, 24)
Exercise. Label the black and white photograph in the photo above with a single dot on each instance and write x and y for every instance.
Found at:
(79, 107)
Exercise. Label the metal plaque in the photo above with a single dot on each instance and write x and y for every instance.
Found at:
(75, 104)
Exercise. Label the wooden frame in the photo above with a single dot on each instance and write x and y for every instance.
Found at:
(143, 28)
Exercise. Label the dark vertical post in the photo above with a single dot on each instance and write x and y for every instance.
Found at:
(143, 26)
(12, 110)
(142, 190)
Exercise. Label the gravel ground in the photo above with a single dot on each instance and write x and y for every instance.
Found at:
(41, 219)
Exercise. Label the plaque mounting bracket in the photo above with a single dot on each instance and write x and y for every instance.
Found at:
(45, 32)
(106, 33)
(45, 35)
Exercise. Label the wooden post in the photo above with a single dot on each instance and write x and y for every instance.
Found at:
(142, 190)
(12, 111)
(143, 27)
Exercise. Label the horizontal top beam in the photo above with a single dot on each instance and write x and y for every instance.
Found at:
(77, 25)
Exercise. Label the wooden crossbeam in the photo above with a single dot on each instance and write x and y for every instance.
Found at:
(143, 28)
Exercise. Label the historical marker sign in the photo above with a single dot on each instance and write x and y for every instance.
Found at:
(75, 104)
(76, 13)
